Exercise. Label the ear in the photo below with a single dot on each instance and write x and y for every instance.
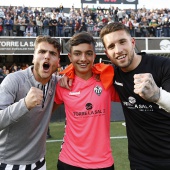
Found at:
(69, 56)
(133, 42)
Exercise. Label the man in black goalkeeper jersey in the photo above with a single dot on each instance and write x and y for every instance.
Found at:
(143, 84)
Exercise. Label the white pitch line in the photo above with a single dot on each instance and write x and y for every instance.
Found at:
(116, 137)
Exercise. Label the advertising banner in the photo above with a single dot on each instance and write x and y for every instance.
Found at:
(88, 1)
(130, 1)
(16, 46)
(110, 1)
(25, 46)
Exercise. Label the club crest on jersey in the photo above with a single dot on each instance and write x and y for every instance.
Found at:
(98, 90)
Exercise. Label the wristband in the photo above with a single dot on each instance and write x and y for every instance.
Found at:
(164, 100)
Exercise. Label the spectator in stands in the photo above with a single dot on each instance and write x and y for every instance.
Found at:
(46, 25)
(145, 30)
(61, 8)
(35, 29)
(72, 25)
(39, 25)
(136, 28)
(2, 15)
(6, 72)
(19, 10)
(87, 136)
(8, 23)
(4, 69)
(2, 75)
(166, 27)
(67, 29)
(83, 27)
(77, 26)
(159, 28)
(139, 31)
(22, 27)
(36, 12)
(25, 109)
(53, 26)
(13, 67)
(1, 27)
(29, 31)
(120, 15)
(16, 26)
(60, 26)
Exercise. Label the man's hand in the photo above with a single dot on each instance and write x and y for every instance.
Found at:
(65, 82)
(146, 87)
(33, 98)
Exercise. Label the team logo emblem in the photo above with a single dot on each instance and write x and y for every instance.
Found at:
(98, 90)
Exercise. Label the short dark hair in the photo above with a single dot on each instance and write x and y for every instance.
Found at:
(80, 38)
(48, 39)
(113, 27)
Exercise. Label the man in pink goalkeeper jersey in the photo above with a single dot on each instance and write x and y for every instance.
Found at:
(86, 143)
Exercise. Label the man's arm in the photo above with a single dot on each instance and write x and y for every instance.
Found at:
(55, 106)
(65, 82)
(146, 87)
(11, 110)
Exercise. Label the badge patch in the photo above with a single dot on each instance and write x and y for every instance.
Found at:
(98, 90)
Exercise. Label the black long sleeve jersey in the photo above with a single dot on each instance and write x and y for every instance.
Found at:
(148, 126)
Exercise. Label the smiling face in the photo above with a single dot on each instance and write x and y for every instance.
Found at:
(120, 49)
(46, 60)
(82, 57)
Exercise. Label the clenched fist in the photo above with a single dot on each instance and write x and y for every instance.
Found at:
(146, 87)
(33, 98)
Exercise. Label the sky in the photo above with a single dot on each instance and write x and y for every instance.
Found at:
(148, 4)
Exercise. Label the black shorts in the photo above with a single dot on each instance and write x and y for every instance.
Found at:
(64, 166)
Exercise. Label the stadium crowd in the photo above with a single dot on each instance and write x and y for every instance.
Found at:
(62, 22)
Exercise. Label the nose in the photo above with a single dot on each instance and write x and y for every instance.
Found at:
(83, 57)
(47, 55)
(118, 48)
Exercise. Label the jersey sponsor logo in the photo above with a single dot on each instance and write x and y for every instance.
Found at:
(89, 106)
(89, 112)
(98, 90)
(119, 84)
(131, 104)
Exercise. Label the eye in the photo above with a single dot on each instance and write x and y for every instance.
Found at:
(111, 46)
(77, 54)
(122, 42)
(42, 51)
(89, 53)
(53, 53)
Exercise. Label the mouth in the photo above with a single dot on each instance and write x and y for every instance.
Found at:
(82, 64)
(121, 57)
(46, 66)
